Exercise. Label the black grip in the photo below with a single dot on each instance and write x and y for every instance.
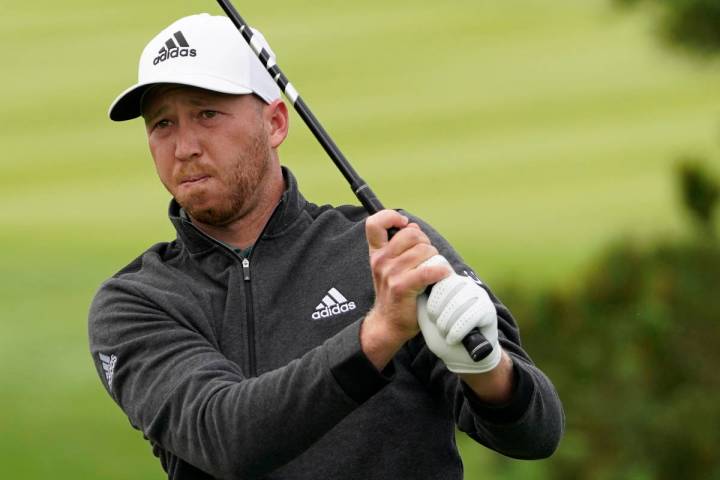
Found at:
(475, 343)
(477, 346)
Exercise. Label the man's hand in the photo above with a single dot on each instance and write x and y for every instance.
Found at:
(399, 278)
(456, 306)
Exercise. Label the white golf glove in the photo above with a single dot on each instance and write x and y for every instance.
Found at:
(455, 306)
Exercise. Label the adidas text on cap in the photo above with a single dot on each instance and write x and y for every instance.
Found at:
(202, 51)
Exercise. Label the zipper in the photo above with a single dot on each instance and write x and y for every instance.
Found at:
(250, 317)
(246, 269)
(252, 362)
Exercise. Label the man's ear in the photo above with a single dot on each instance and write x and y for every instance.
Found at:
(277, 120)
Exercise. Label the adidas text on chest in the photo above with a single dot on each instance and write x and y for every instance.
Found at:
(334, 303)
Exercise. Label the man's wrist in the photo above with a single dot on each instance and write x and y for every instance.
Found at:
(378, 342)
(494, 386)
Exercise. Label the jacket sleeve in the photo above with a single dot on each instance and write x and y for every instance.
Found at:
(531, 424)
(183, 394)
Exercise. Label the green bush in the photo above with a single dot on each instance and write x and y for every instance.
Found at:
(700, 193)
(633, 351)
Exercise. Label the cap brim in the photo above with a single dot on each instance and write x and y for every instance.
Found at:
(128, 104)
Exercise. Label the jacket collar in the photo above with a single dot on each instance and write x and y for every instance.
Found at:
(291, 205)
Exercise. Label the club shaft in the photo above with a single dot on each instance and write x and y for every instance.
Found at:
(475, 343)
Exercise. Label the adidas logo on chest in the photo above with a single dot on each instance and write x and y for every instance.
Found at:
(334, 303)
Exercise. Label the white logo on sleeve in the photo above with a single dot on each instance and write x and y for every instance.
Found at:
(108, 364)
(334, 303)
(473, 276)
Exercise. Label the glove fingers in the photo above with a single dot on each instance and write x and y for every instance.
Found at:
(442, 293)
(479, 314)
(433, 338)
(463, 297)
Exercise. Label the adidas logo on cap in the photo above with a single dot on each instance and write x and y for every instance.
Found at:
(334, 303)
(172, 50)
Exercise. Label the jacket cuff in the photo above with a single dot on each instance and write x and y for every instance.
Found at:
(352, 370)
(514, 409)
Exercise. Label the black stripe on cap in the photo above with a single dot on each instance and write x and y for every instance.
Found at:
(170, 44)
(181, 39)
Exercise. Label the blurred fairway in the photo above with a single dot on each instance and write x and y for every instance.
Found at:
(528, 132)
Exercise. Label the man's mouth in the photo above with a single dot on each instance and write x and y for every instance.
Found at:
(194, 180)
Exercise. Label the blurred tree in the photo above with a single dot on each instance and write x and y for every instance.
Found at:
(700, 193)
(633, 353)
(633, 350)
(693, 24)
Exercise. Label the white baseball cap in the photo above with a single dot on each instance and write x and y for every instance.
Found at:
(203, 51)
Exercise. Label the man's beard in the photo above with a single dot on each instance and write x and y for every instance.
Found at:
(251, 166)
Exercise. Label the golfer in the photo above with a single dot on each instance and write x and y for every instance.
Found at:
(276, 338)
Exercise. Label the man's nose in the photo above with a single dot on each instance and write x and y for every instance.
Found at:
(187, 143)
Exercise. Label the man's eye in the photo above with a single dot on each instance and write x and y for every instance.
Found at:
(162, 123)
(209, 114)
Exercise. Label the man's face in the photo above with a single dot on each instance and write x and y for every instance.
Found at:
(211, 150)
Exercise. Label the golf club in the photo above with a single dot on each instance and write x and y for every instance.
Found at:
(474, 342)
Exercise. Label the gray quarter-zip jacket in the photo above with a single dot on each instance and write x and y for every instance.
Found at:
(244, 368)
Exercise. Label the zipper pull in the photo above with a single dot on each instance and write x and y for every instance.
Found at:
(246, 269)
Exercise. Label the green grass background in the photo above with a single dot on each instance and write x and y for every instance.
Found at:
(528, 132)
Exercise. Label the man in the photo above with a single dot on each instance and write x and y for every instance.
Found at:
(279, 339)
